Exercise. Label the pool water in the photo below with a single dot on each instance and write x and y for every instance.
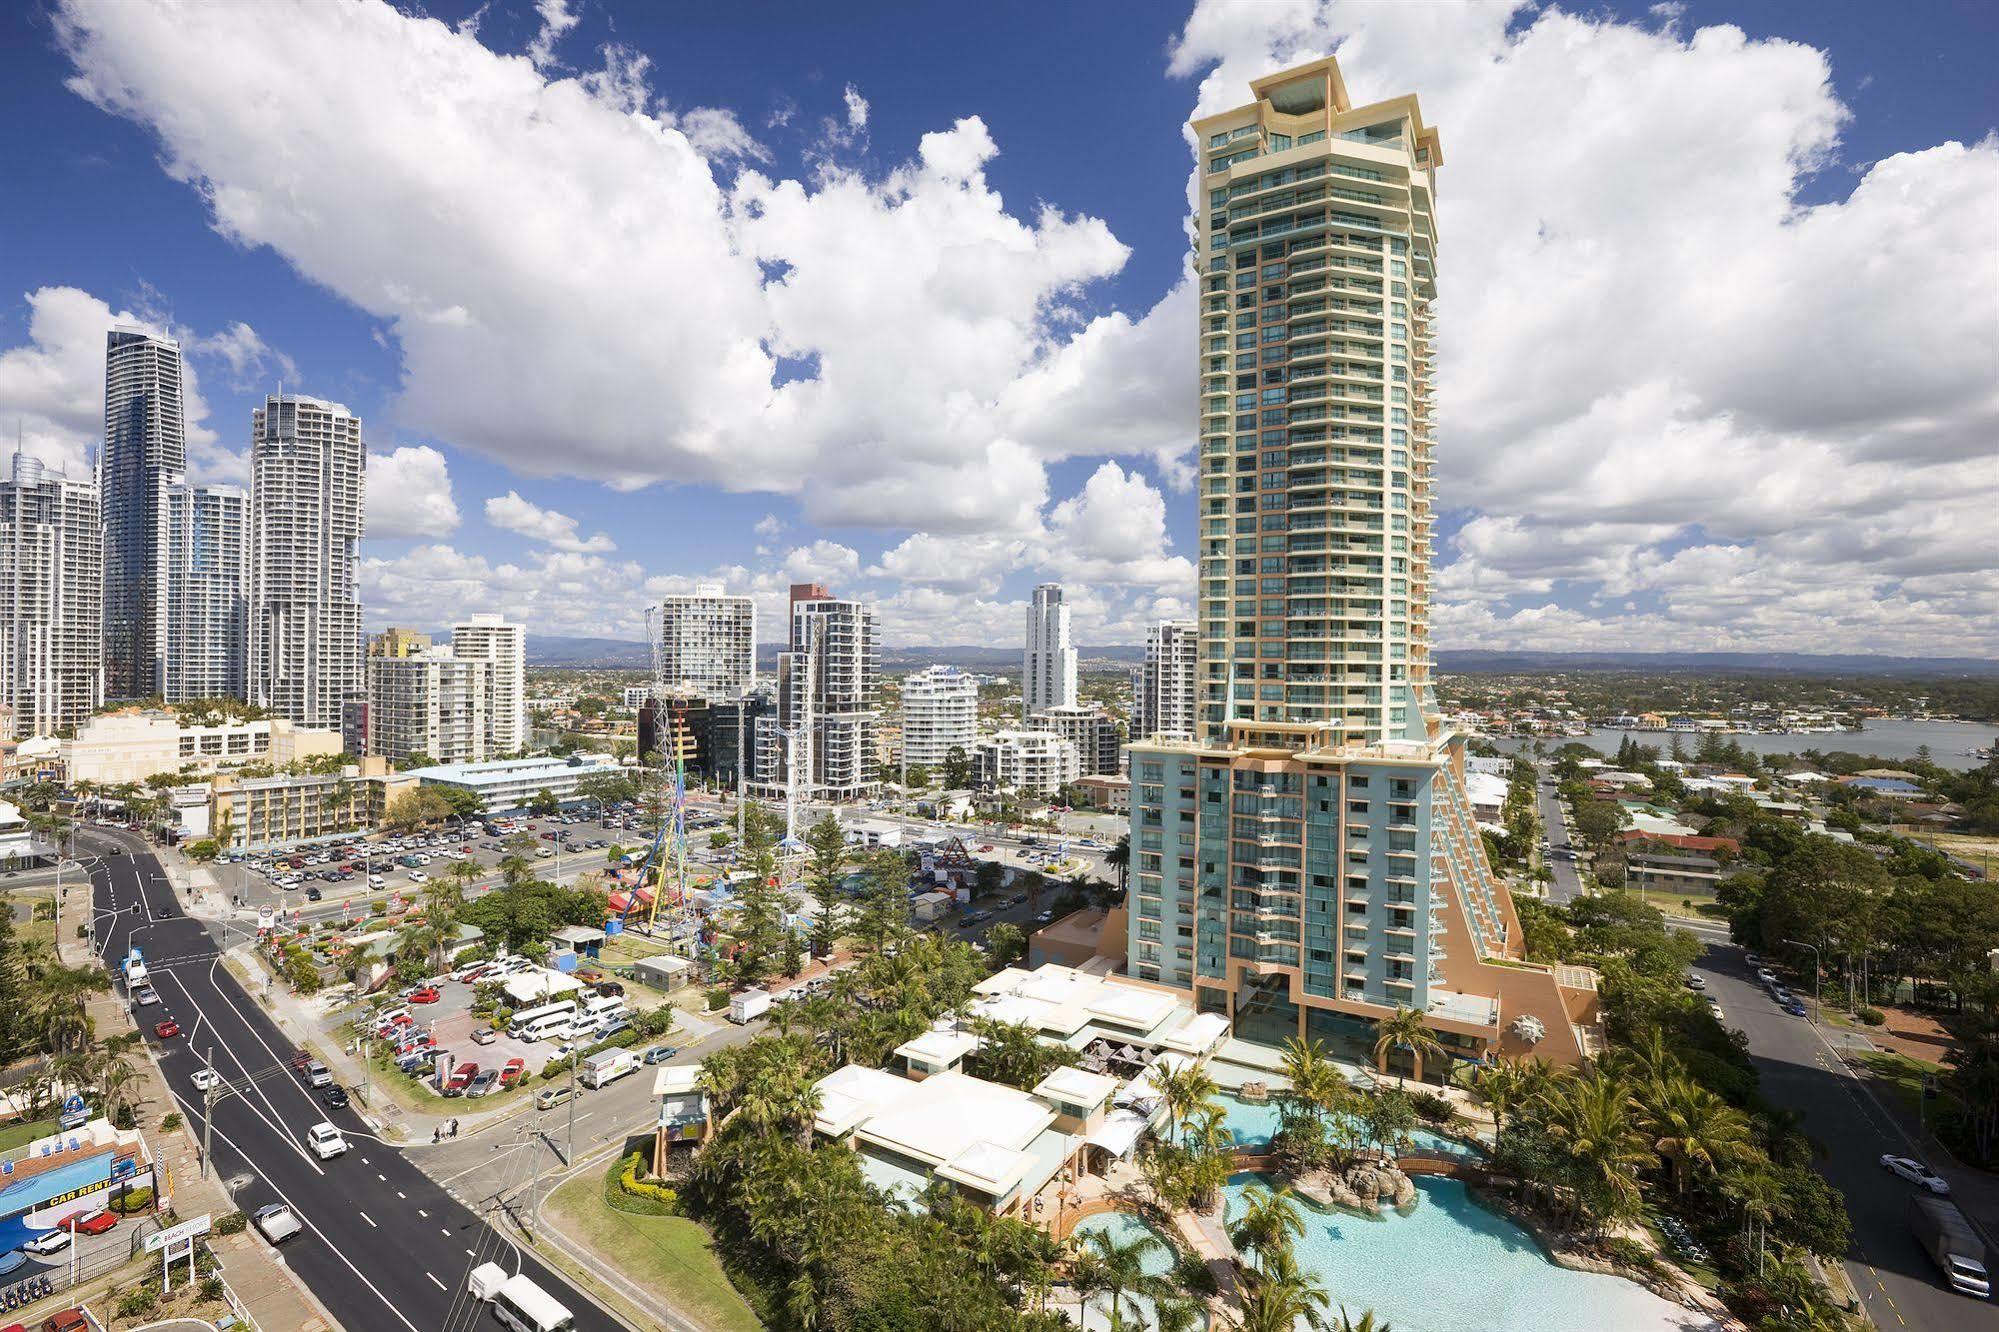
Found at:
(1253, 1125)
(1451, 1265)
(1124, 1227)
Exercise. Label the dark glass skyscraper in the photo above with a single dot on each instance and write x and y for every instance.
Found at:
(145, 454)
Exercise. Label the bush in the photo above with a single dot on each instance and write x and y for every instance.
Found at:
(718, 998)
(126, 1118)
(1629, 1253)
(230, 1223)
(141, 1303)
(663, 1200)
(211, 1289)
(135, 1200)
(558, 1067)
(170, 1121)
(1873, 1017)
(1432, 1107)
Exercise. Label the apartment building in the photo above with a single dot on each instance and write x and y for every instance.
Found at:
(940, 713)
(132, 744)
(145, 456)
(828, 699)
(267, 813)
(490, 638)
(434, 704)
(1308, 863)
(1162, 701)
(1097, 738)
(1048, 669)
(393, 642)
(307, 488)
(51, 600)
(205, 587)
(706, 644)
(1038, 763)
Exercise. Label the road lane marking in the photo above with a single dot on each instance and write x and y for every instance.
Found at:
(369, 1219)
(425, 1215)
(435, 1282)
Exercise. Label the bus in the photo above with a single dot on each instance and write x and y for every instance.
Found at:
(526, 1307)
(540, 1024)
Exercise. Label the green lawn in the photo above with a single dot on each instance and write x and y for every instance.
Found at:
(21, 1134)
(1902, 1075)
(667, 1253)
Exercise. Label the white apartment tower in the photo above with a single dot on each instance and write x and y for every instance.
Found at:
(706, 645)
(1036, 763)
(1163, 697)
(307, 483)
(828, 692)
(51, 599)
(145, 455)
(432, 703)
(940, 712)
(1049, 667)
(204, 583)
(490, 638)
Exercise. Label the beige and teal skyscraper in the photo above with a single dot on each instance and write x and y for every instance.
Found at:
(1308, 863)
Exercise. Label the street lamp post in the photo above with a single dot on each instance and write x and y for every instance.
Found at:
(1818, 1005)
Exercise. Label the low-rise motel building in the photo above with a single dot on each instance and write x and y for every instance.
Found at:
(70, 1173)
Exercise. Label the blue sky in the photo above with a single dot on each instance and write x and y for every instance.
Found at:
(1830, 511)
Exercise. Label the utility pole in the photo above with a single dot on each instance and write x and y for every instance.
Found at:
(207, 1118)
(569, 1152)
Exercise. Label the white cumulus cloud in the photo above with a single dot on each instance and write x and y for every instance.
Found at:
(511, 513)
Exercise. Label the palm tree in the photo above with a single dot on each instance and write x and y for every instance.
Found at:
(1693, 1128)
(1269, 1224)
(1119, 859)
(115, 1080)
(1366, 1323)
(1185, 1090)
(1592, 1117)
(1119, 1269)
(1760, 1195)
(1405, 1030)
(1279, 1295)
(1506, 1087)
(1316, 1081)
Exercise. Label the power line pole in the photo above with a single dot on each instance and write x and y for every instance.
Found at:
(569, 1152)
(207, 1118)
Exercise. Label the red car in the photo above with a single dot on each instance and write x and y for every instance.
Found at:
(167, 1030)
(427, 995)
(96, 1223)
(461, 1078)
(513, 1071)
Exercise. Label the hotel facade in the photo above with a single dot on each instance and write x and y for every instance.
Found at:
(1308, 862)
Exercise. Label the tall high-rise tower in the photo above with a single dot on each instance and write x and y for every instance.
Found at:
(491, 638)
(51, 599)
(145, 455)
(307, 483)
(1308, 863)
(707, 644)
(1049, 665)
(205, 586)
(1163, 695)
(828, 701)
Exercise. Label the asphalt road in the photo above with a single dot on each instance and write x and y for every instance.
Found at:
(385, 1247)
(1567, 884)
(1800, 1069)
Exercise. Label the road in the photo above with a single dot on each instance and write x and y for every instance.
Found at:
(385, 1247)
(1568, 884)
(1800, 1069)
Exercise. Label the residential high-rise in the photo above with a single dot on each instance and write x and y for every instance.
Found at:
(307, 483)
(706, 644)
(940, 713)
(205, 587)
(1308, 864)
(1048, 670)
(145, 455)
(1036, 763)
(828, 693)
(393, 642)
(51, 600)
(433, 703)
(488, 637)
(1097, 738)
(1162, 701)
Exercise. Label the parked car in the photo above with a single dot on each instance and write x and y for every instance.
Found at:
(95, 1222)
(659, 1054)
(277, 1222)
(318, 1074)
(461, 1078)
(426, 995)
(1695, 982)
(313, 895)
(167, 1030)
(483, 1083)
(550, 1097)
(1794, 1008)
(1045, 918)
(335, 1096)
(484, 1036)
(48, 1242)
(1916, 1173)
(513, 1071)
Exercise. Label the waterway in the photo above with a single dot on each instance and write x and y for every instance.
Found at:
(1950, 742)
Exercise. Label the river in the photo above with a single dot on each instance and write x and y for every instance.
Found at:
(1949, 741)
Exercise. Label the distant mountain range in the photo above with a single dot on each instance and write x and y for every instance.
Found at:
(623, 654)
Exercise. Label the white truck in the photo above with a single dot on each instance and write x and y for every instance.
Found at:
(748, 1005)
(1951, 1244)
(607, 1066)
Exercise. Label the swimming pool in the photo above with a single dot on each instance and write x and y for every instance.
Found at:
(1124, 1227)
(1453, 1266)
(1252, 1125)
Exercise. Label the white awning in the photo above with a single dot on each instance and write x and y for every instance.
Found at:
(1120, 1132)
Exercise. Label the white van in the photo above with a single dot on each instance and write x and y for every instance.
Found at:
(543, 1023)
(526, 1307)
(600, 1008)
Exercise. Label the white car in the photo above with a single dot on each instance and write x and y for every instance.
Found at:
(146, 995)
(325, 1141)
(1917, 1173)
(376, 881)
(277, 1222)
(206, 1078)
(418, 876)
(48, 1242)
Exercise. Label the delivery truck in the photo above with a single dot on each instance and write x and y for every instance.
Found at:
(607, 1066)
(748, 1005)
(1951, 1244)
